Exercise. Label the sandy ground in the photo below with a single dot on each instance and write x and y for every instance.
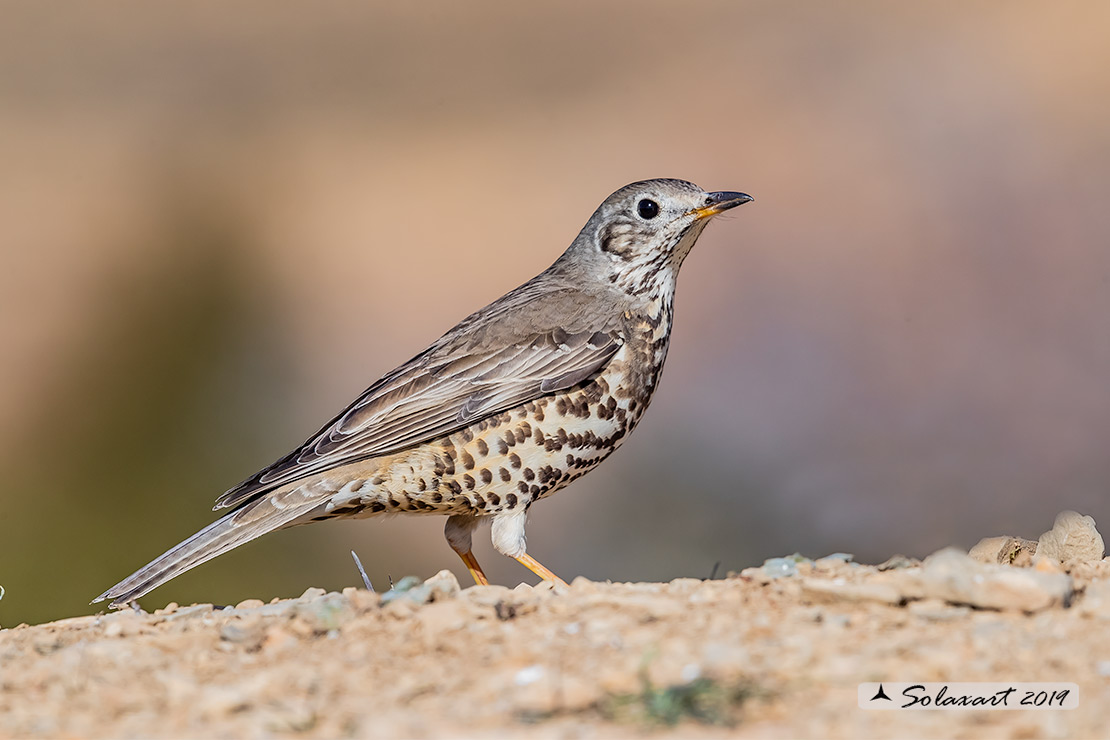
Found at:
(744, 656)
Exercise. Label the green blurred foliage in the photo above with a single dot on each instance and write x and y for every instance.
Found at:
(127, 443)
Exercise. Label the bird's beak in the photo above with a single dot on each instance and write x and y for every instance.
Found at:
(720, 201)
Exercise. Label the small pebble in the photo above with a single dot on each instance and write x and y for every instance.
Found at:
(529, 675)
(897, 562)
(409, 588)
(780, 568)
(1003, 550)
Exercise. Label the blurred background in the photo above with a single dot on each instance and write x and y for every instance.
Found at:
(218, 225)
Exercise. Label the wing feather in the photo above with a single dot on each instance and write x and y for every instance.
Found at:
(464, 377)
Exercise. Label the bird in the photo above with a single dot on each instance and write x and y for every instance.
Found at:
(515, 402)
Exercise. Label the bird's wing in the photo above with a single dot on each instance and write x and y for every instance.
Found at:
(477, 370)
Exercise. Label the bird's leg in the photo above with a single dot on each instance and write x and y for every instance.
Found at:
(508, 539)
(539, 569)
(458, 531)
(475, 569)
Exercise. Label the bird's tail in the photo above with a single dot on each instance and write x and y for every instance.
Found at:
(237, 528)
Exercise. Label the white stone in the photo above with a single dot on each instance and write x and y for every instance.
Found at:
(443, 585)
(1072, 538)
(953, 576)
(529, 675)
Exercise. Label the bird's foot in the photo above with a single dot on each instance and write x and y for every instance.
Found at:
(539, 569)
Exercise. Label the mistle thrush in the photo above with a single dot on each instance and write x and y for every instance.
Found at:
(515, 402)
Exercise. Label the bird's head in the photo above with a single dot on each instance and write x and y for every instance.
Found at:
(639, 236)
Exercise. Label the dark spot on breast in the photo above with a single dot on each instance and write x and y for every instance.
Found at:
(561, 406)
(376, 506)
(437, 497)
(535, 490)
(468, 481)
(505, 475)
(522, 486)
(493, 498)
(521, 436)
(591, 393)
(466, 435)
(483, 448)
(485, 475)
(510, 438)
(422, 485)
(502, 447)
(510, 500)
(529, 474)
(455, 486)
(514, 460)
(537, 436)
(467, 460)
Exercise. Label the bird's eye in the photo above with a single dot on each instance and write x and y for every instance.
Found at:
(647, 209)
